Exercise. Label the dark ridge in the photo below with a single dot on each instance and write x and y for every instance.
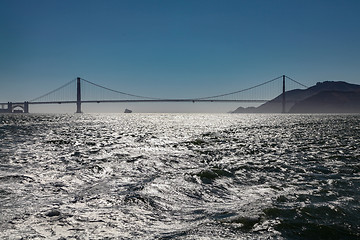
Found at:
(329, 102)
(344, 98)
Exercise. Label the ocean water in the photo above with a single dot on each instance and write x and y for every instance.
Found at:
(179, 176)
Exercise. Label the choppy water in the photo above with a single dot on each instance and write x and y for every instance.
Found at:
(179, 176)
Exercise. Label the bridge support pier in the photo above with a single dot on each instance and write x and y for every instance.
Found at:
(283, 96)
(78, 96)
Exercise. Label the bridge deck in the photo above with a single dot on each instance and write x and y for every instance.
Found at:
(135, 101)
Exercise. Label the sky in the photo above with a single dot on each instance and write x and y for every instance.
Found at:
(174, 48)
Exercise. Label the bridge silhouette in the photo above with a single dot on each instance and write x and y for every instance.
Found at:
(79, 91)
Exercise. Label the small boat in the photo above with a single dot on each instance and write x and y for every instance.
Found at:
(127, 111)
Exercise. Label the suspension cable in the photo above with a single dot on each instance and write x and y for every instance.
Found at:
(112, 90)
(243, 90)
(297, 82)
(57, 89)
(153, 98)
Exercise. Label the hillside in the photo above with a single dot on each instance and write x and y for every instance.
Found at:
(329, 102)
(294, 97)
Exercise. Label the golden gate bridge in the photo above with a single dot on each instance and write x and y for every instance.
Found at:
(79, 91)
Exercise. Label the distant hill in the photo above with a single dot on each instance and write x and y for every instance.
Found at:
(342, 96)
(329, 102)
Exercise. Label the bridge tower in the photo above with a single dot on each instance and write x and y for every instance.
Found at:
(10, 107)
(78, 96)
(26, 107)
(283, 96)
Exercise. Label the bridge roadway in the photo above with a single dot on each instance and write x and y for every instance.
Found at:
(135, 101)
(79, 100)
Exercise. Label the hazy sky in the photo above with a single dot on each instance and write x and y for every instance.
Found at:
(175, 48)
